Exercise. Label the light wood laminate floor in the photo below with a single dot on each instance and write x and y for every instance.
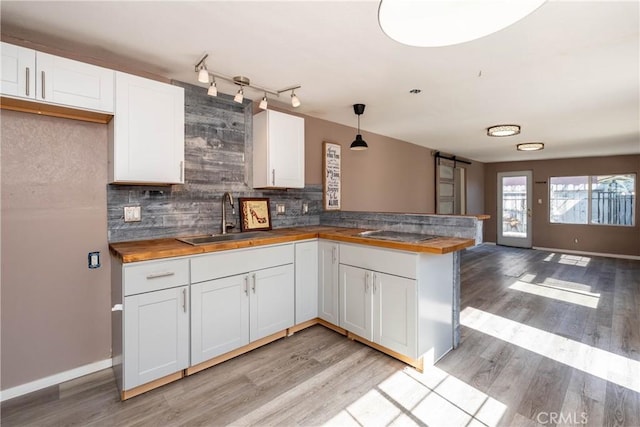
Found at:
(547, 339)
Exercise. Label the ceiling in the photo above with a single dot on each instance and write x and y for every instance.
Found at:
(568, 73)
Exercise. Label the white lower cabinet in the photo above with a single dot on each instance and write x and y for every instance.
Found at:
(234, 310)
(150, 320)
(219, 317)
(379, 307)
(156, 339)
(306, 281)
(328, 308)
(400, 300)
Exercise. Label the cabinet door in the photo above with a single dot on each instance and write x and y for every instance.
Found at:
(355, 301)
(394, 313)
(147, 140)
(328, 308)
(272, 302)
(306, 266)
(156, 335)
(278, 150)
(18, 75)
(219, 317)
(286, 149)
(75, 84)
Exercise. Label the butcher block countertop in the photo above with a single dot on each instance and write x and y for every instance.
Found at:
(146, 250)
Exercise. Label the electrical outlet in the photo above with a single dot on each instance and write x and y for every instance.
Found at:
(132, 213)
(305, 208)
(280, 209)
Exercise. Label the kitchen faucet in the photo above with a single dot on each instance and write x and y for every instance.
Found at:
(226, 224)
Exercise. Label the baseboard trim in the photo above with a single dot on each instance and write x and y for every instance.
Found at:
(568, 251)
(55, 379)
(574, 252)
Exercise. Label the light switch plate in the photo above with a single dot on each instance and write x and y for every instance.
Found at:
(280, 209)
(132, 213)
(305, 208)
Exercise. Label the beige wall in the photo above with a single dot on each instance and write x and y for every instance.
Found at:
(391, 176)
(55, 311)
(591, 238)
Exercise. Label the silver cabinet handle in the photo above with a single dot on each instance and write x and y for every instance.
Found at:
(246, 285)
(253, 286)
(184, 300)
(374, 283)
(333, 254)
(27, 75)
(273, 177)
(366, 282)
(43, 88)
(158, 275)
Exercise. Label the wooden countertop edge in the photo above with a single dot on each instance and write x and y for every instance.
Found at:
(147, 250)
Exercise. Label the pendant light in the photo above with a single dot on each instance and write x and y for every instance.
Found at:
(359, 143)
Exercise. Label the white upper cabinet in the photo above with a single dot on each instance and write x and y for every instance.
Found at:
(146, 135)
(278, 150)
(41, 77)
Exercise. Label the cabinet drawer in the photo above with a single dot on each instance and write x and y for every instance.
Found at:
(229, 263)
(383, 260)
(155, 275)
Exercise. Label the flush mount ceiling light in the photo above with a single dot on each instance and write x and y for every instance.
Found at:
(530, 146)
(443, 23)
(204, 75)
(503, 130)
(359, 143)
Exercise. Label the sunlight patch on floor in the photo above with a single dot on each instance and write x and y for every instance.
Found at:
(412, 398)
(580, 261)
(594, 361)
(558, 293)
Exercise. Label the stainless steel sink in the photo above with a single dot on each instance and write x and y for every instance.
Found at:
(215, 238)
(396, 236)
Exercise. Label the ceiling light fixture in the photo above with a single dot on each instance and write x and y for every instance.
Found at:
(295, 102)
(239, 96)
(359, 143)
(213, 90)
(264, 102)
(445, 23)
(204, 75)
(530, 146)
(503, 130)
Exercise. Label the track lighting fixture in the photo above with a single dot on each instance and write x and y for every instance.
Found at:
(263, 103)
(207, 76)
(239, 96)
(359, 143)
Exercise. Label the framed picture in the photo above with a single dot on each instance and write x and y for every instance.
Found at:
(331, 199)
(254, 213)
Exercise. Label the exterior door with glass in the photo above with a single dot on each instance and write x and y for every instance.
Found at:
(514, 209)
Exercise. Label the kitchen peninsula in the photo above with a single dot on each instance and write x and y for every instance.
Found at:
(181, 308)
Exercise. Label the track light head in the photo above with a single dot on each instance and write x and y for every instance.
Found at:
(213, 90)
(295, 102)
(203, 74)
(263, 103)
(239, 96)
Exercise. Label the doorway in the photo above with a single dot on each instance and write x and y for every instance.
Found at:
(514, 209)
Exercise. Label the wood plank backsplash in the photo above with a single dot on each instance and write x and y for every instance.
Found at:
(218, 158)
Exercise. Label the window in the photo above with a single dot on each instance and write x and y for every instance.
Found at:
(603, 199)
